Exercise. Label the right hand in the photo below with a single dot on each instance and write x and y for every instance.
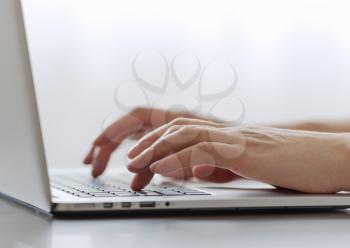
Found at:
(139, 121)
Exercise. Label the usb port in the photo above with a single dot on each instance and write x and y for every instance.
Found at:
(108, 205)
(126, 204)
(147, 204)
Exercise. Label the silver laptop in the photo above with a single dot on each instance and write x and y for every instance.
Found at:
(24, 174)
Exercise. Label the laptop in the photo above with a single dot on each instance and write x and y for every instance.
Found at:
(24, 175)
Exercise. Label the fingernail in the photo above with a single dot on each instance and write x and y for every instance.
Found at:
(154, 167)
(137, 163)
(139, 148)
(131, 152)
(141, 161)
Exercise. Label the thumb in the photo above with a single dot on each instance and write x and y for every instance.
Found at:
(211, 173)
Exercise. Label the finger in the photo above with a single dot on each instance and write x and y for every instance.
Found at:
(101, 160)
(180, 174)
(142, 132)
(135, 121)
(179, 165)
(174, 168)
(89, 156)
(118, 131)
(132, 123)
(168, 144)
(122, 128)
(198, 155)
(141, 179)
(172, 126)
(211, 173)
(180, 140)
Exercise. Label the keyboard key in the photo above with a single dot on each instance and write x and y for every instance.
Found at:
(126, 194)
(111, 189)
(167, 192)
(197, 193)
(149, 193)
(83, 195)
(103, 194)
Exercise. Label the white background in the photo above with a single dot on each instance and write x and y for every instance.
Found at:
(292, 58)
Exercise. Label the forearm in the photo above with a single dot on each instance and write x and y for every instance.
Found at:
(319, 126)
(312, 162)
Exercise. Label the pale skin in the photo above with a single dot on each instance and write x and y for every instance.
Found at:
(307, 157)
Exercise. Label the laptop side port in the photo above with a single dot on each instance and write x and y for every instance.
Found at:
(147, 204)
(126, 204)
(108, 205)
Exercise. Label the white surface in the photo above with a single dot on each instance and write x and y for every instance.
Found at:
(21, 228)
(292, 58)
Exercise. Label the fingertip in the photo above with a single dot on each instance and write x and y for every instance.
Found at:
(133, 169)
(95, 173)
(132, 153)
(88, 158)
(136, 185)
(141, 180)
(87, 161)
(97, 170)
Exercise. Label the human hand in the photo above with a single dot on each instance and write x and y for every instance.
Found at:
(304, 161)
(134, 124)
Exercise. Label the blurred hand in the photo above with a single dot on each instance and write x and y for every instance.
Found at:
(181, 145)
(133, 125)
(310, 162)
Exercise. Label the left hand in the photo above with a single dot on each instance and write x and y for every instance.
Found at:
(305, 161)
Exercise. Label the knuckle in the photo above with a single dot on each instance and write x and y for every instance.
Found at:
(187, 130)
(174, 128)
(143, 142)
(179, 120)
(205, 146)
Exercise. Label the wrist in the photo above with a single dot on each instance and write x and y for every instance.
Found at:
(344, 162)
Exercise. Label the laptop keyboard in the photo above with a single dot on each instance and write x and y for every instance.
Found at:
(86, 187)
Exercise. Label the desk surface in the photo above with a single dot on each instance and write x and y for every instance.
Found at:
(22, 228)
